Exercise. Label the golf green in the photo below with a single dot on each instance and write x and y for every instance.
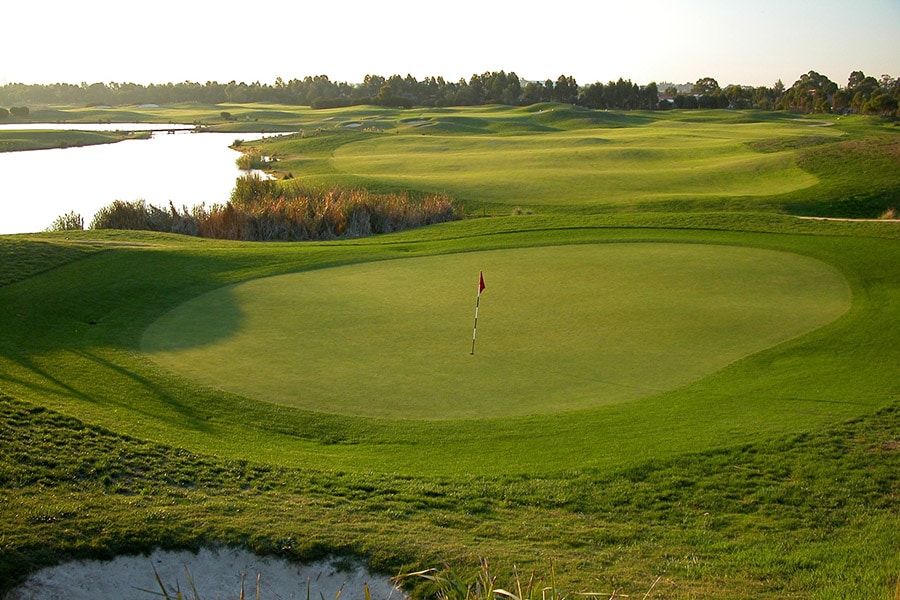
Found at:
(560, 328)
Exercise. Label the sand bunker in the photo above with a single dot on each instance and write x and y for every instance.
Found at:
(216, 575)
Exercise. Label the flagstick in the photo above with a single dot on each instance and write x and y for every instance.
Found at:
(477, 301)
(475, 328)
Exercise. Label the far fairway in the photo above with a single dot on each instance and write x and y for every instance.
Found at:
(560, 328)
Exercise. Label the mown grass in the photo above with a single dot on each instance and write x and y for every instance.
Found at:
(563, 328)
(78, 350)
(774, 476)
(19, 140)
(554, 158)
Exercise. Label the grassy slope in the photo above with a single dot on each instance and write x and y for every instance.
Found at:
(805, 516)
(717, 505)
(554, 158)
(15, 141)
(93, 305)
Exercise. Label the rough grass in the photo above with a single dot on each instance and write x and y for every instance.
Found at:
(766, 519)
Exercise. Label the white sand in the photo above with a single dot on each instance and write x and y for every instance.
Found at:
(216, 575)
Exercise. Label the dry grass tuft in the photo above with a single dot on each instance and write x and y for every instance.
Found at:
(261, 210)
(448, 586)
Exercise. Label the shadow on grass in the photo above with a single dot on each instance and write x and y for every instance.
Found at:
(101, 383)
(154, 390)
(201, 321)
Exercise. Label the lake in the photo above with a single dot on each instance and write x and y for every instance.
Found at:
(185, 168)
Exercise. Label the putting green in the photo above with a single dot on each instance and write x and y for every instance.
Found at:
(560, 328)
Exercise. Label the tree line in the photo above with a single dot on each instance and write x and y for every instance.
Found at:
(812, 92)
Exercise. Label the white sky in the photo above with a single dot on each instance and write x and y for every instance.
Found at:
(159, 41)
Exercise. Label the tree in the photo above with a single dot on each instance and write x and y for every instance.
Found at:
(593, 96)
(534, 92)
(739, 96)
(880, 103)
(813, 92)
(860, 88)
(625, 95)
(565, 90)
(4, 114)
(371, 85)
(706, 86)
(650, 96)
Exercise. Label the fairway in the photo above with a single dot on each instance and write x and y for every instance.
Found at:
(561, 328)
(654, 162)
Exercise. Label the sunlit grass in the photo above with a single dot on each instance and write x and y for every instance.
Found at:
(776, 475)
(563, 328)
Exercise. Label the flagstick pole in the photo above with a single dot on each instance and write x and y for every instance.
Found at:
(475, 328)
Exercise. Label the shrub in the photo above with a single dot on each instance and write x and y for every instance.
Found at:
(252, 160)
(71, 221)
(145, 217)
(261, 210)
(319, 103)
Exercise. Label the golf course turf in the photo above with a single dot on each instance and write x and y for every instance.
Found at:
(563, 328)
(707, 399)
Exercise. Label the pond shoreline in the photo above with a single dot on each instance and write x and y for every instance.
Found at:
(211, 573)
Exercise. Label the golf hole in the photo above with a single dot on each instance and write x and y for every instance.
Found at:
(560, 328)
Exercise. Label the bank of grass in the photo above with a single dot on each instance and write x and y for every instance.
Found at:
(701, 489)
(556, 158)
(32, 139)
(811, 515)
(78, 351)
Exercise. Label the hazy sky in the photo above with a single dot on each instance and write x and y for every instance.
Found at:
(159, 41)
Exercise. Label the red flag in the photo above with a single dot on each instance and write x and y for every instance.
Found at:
(480, 282)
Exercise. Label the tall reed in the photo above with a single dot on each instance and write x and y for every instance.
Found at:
(262, 210)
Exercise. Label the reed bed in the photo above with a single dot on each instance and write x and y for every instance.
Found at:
(261, 210)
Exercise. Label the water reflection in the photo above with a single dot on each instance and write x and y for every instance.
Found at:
(185, 168)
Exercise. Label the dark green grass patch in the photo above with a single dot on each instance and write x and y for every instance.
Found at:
(562, 328)
(22, 258)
